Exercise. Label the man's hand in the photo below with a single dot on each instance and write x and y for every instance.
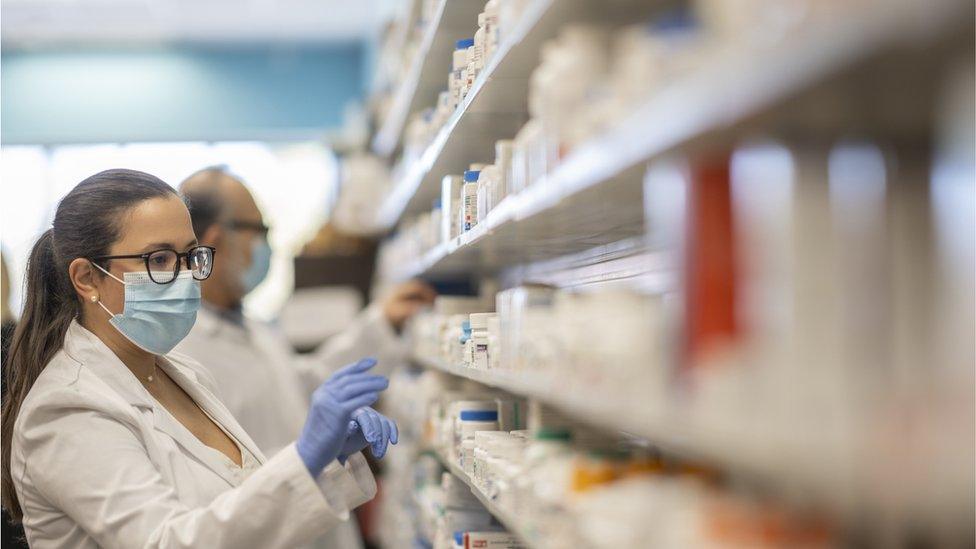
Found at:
(406, 300)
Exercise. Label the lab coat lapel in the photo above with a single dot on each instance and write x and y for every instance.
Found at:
(166, 423)
(89, 351)
(187, 379)
(86, 348)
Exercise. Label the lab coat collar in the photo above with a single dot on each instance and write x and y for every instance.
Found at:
(86, 348)
(168, 424)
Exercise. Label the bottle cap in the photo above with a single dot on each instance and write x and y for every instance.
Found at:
(478, 415)
(464, 44)
(471, 176)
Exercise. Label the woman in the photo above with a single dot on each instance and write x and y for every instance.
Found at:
(110, 441)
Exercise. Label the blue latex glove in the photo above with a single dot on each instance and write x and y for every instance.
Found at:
(333, 404)
(369, 428)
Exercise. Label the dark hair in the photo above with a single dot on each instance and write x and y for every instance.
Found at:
(203, 201)
(88, 220)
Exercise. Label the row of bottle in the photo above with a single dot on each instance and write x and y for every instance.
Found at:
(398, 47)
(564, 485)
(468, 60)
(465, 202)
(610, 340)
(589, 77)
(821, 293)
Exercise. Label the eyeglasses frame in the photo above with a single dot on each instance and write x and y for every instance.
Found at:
(176, 271)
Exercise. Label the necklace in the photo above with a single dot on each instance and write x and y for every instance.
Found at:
(152, 376)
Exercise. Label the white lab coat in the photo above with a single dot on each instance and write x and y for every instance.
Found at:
(96, 461)
(267, 386)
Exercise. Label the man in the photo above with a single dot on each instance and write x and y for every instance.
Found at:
(259, 377)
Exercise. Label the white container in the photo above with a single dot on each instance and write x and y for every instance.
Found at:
(451, 206)
(483, 441)
(477, 61)
(469, 197)
(479, 339)
(486, 181)
(509, 13)
(503, 165)
(467, 407)
(494, 343)
(470, 427)
(466, 456)
(491, 30)
(459, 66)
(470, 423)
(467, 76)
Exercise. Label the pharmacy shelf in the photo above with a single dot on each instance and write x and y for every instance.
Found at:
(566, 216)
(504, 516)
(732, 87)
(427, 75)
(801, 467)
(495, 108)
(591, 408)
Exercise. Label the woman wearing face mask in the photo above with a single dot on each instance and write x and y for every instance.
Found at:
(110, 441)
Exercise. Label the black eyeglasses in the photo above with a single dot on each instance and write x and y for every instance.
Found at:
(164, 265)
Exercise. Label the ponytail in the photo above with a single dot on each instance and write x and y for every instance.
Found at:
(39, 335)
(86, 224)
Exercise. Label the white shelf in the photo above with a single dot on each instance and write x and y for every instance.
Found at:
(505, 517)
(802, 466)
(573, 211)
(739, 83)
(495, 108)
(427, 76)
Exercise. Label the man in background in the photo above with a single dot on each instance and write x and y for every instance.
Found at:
(263, 382)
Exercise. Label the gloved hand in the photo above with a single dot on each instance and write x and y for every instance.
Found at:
(369, 428)
(333, 404)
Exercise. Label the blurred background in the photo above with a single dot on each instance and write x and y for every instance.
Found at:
(706, 267)
(172, 87)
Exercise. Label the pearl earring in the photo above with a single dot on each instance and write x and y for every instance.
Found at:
(94, 298)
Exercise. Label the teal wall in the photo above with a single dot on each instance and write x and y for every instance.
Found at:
(184, 94)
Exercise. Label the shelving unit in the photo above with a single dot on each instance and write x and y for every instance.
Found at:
(427, 75)
(675, 426)
(733, 87)
(503, 515)
(584, 222)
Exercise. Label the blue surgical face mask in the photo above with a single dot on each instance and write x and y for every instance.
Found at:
(156, 316)
(260, 263)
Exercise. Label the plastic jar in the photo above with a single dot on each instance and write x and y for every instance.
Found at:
(469, 200)
(451, 205)
(486, 181)
(477, 60)
(503, 165)
(465, 406)
(494, 352)
(479, 340)
(484, 441)
(471, 422)
(491, 30)
(458, 67)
